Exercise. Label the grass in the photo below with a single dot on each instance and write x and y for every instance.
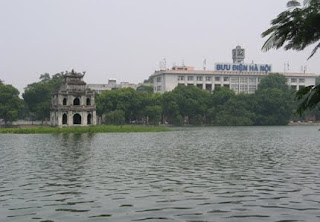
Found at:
(88, 129)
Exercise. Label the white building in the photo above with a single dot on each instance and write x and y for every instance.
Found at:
(111, 85)
(237, 76)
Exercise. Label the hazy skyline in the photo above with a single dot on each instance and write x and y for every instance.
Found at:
(126, 40)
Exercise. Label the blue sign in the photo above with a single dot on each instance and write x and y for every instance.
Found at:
(243, 67)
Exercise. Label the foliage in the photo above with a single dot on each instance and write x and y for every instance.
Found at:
(89, 129)
(133, 103)
(274, 101)
(236, 111)
(274, 107)
(274, 81)
(153, 112)
(10, 103)
(115, 117)
(37, 95)
(145, 88)
(295, 28)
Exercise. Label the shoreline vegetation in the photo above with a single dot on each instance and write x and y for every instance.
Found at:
(88, 129)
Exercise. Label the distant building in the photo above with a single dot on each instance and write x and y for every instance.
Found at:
(237, 76)
(73, 104)
(111, 85)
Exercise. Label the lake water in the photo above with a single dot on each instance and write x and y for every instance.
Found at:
(191, 174)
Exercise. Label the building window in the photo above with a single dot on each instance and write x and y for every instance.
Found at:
(180, 78)
(226, 85)
(64, 119)
(88, 102)
(158, 88)
(158, 79)
(89, 118)
(190, 78)
(209, 87)
(225, 79)
(199, 78)
(217, 78)
(301, 87)
(64, 102)
(190, 84)
(301, 80)
(200, 86)
(208, 78)
(252, 80)
(76, 119)
(294, 88)
(243, 88)
(243, 80)
(76, 102)
(293, 80)
(252, 88)
(217, 85)
(234, 80)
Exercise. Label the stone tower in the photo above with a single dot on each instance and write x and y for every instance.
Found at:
(238, 54)
(73, 104)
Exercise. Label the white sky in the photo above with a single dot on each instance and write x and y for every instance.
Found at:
(126, 39)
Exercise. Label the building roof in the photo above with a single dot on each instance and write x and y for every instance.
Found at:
(237, 73)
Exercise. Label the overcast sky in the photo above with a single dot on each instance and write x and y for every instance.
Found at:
(126, 39)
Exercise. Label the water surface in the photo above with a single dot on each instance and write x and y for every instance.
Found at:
(192, 174)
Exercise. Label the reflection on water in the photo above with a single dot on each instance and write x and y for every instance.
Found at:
(193, 174)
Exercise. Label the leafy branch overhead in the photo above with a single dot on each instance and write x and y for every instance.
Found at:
(296, 28)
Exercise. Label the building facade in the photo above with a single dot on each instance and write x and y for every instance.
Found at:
(111, 85)
(240, 77)
(74, 103)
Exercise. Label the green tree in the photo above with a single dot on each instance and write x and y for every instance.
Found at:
(145, 88)
(274, 81)
(218, 98)
(116, 117)
(37, 95)
(10, 103)
(274, 101)
(153, 113)
(295, 28)
(131, 102)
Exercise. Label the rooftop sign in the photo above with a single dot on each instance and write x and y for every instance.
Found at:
(243, 67)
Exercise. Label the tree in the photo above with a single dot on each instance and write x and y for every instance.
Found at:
(115, 117)
(10, 103)
(37, 95)
(295, 28)
(186, 101)
(274, 101)
(145, 88)
(235, 112)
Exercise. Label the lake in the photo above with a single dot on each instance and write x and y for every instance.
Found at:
(190, 174)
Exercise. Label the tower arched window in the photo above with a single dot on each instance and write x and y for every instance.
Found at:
(64, 102)
(89, 119)
(76, 102)
(64, 119)
(77, 119)
(88, 102)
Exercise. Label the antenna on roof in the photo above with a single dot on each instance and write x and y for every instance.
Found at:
(205, 64)
(163, 64)
(182, 62)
